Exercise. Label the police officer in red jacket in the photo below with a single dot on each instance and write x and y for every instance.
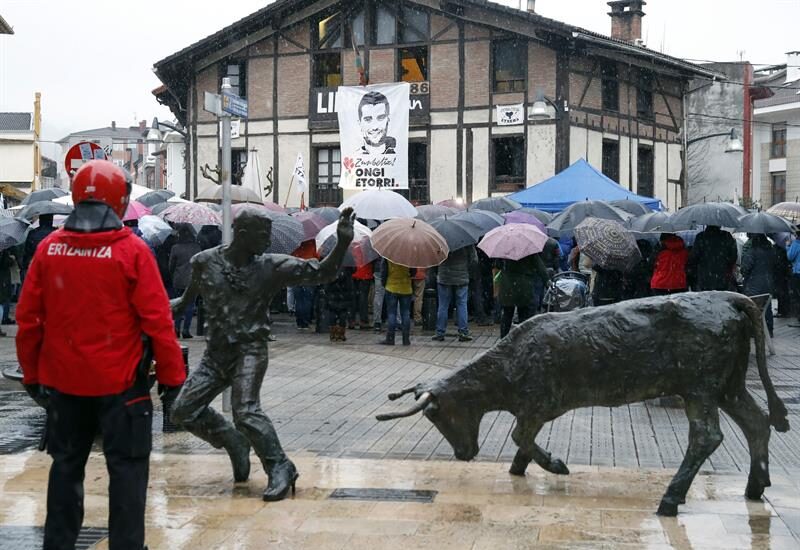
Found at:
(92, 290)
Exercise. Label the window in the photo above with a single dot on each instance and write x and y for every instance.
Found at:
(329, 32)
(778, 149)
(328, 70)
(611, 159)
(778, 187)
(357, 29)
(236, 71)
(325, 190)
(645, 171)
(412, 64)
(509, 163)
(510, 61)
(418, 191)
(413, 25)
(238, 162)
(644, 95)
(384, 26)
(610, 87)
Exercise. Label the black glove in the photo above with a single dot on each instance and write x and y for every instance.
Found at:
(168, 394)
(38, 394)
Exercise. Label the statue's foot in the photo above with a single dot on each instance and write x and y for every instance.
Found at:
(238, 449)
(517, 470)
(667, 508)
(755, 487)
(557, 466)
(282, 477)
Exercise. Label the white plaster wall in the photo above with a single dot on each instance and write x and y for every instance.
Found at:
(446, 118)
(518, 129)
(541, 161)
(480, 163)
(624, 162)
(594, 154)
(263, 147)
(16, 162)
(176, 173)
(478, 116)
(577, 144)
(289, 146)
(442, 168)
(634, 166)
(660, 172)
(293, 125)
(328, 139)
(206, 154)
(674, 172)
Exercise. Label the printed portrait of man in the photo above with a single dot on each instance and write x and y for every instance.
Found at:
(373, 118)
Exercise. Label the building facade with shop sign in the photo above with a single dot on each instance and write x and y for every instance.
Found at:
(476, 69)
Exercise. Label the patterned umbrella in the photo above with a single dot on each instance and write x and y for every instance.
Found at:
(44, 195)
(722, 214)
(287, 232)
(191, 212)
(312, 223)
(135, 211)
(513, 241)
(43, 208)
(12, 232)
(788, 210)
(457, 234)
(329, 213)
(544, 217)
(564, 224)
(379, 204)
(498, 205)
(409, 242)
(482, 218)
(523, 217)
(631, 207)
(654, 221)
(154, 197)
(429, 212)
(269, 205)
(763, 222)
(608, 244)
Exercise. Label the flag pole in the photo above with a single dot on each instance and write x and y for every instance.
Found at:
(288, 191)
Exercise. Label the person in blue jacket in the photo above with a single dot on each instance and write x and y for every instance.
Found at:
(793, 254)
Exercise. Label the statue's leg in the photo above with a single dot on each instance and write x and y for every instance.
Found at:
(704, 437)
(754, 423)
(191, 410)
(524, 435)
(248, 416)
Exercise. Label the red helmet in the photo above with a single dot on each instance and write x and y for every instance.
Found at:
(102, 181)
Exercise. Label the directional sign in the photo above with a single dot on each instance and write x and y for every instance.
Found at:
(234, 105)
(212, 103)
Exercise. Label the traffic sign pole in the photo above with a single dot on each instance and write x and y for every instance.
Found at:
(227, 236)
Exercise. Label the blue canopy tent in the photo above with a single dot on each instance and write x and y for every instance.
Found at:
(579, 182)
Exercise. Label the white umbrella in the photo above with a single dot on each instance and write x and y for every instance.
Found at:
(154, 229)
(380, 204)
(360, 231)
(251, 179)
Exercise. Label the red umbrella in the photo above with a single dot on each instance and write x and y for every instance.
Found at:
(135, 211)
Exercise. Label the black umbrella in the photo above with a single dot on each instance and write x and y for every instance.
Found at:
(484, 219)
(160, 207)
(575, 213)
(428, 212)
(608, 244)
(329, 213)
(42, 208)
(541, 215)
(12, 232)
(631, 207)
(457, 233)
(499, 205)
(44, 195)
(654, 221)
(764, 222)
(154, 197)
(722, 214)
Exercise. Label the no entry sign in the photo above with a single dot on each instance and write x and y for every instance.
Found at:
(81, 152)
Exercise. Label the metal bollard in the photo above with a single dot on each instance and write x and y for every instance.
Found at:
(429, 309)
(168, 426)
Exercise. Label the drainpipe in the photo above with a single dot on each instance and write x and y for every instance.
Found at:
(747, 134)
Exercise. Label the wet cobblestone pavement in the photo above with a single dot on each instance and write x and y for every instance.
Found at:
(323, 398)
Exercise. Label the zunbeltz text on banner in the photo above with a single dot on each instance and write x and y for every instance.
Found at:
(373, 125)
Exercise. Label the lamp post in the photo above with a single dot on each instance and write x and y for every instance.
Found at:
(157, 124)
(734, 142)
(539, 110)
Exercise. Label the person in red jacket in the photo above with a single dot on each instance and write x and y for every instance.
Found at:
(92, 291)
(669, 273)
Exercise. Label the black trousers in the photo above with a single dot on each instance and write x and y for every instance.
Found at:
(362, 301)
(523, 313)
(125, 422)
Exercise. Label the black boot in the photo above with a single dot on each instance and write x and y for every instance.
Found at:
(282, 477)
(389, 340)
(407, 336)
(238, 448)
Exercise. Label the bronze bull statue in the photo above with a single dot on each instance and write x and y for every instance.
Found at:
(695, 345)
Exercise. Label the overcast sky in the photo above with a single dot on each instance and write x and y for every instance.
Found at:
(93, 60)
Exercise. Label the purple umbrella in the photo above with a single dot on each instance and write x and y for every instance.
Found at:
(523, 217)
(312, 223)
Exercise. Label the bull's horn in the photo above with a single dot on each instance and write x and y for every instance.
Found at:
(401, 393)
(420, 404)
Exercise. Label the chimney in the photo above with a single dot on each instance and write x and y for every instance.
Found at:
(113, 125)
(531, 6)
(792, 67)
(626, 20)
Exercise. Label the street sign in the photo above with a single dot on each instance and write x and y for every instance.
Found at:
(81, 152)
(234, 105)
(212, 103)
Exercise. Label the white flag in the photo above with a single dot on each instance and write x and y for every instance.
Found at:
(300, 174)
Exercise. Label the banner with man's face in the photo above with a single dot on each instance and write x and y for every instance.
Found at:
(373, 130)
